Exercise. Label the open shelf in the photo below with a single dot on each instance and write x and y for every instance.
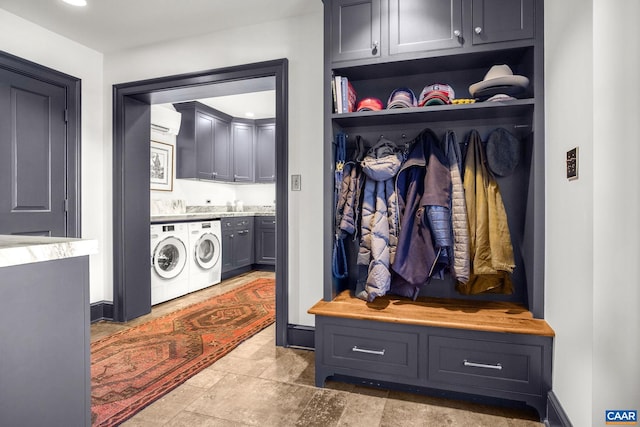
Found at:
(437, 113)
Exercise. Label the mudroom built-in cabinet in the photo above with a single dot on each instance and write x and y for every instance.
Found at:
(378, 29)
(485, 345)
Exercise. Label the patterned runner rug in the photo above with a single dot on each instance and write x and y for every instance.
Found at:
(133, 368)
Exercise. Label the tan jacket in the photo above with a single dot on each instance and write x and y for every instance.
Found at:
(489, 238)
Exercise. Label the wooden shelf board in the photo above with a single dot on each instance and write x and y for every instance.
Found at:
(488, 316)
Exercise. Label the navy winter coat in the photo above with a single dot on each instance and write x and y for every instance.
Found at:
(423, 187)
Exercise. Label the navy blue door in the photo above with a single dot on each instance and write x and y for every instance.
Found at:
(33, 138)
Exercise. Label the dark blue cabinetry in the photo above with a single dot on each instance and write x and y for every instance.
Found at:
(380, 45)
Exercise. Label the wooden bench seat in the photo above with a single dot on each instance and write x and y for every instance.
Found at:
(490, 316)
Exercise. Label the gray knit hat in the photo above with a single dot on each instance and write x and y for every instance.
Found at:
(503, 152)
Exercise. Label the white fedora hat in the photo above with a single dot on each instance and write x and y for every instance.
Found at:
(499, 75)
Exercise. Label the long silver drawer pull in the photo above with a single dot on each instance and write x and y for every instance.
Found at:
(497, 366)
(364, 350)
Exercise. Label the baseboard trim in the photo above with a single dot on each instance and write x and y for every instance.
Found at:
(556, 416)
(102, 310)
(236, 272)
(301, 336)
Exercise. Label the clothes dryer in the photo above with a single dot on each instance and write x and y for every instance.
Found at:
(205, 247)
(169, 261)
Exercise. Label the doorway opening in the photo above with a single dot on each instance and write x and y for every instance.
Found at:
(131, 205)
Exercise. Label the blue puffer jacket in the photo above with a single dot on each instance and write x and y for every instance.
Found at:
(423, 188)
(379, 219)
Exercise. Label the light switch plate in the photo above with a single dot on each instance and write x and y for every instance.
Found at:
(572, 164)
(296, 184)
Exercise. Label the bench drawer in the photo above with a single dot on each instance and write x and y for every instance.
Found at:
(380, 353)
(486, 364)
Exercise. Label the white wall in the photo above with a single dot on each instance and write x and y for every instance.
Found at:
(26, 40)
(616, 207)
(569, 217)
(592, 292)
(300, 41)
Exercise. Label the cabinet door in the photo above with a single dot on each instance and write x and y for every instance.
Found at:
(228, 237)
(355, 29)
(222, 151)
(419, 25)
(502, 20)
(242, 152)
(266, 240)
(243, 246)
(266, 153)
(205, 130)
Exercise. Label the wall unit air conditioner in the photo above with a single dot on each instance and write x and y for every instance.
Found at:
(165, 120)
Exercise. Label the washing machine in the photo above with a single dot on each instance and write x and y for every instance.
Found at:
(169, 261)
(205, 248)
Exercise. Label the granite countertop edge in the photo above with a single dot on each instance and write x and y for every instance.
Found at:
(18, 250)
(193, 216)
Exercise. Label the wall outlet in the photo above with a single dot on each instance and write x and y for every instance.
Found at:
(296, 184)
(572, 164)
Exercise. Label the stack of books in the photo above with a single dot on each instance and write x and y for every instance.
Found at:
(344, 95)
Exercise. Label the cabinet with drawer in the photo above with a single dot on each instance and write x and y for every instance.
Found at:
(495, 351)
(265, 236)
(509, 366)
(485, 344)
(237, 244)
(363, 349)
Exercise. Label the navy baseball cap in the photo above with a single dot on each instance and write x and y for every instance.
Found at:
(402, 98)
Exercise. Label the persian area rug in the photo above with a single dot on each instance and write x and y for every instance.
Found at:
(134, 367)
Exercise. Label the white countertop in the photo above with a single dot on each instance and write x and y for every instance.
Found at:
(17, 250)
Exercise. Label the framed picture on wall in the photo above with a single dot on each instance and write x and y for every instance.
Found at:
(161, 166)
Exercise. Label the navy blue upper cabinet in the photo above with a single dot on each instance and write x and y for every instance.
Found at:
(265, 151)
(375, 31)
(421, 25)
(502, 20)
(355, 29)
(242, 151)
(203, 146)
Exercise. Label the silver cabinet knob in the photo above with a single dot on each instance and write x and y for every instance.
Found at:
(457, 33)
(374, 48)
(478, 30)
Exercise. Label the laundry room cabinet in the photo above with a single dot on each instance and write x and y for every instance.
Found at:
(497, 346)
(373, 30)
(242, 143)
(237, 245)
(265, 151)
(203, 146)
(265, 240)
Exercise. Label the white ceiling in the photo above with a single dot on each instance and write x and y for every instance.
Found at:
(112, 25)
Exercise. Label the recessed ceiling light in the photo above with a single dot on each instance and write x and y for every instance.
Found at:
(76, 2)
(249, 114)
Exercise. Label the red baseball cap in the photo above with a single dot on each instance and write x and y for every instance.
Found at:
(436, 94)
(370, 104)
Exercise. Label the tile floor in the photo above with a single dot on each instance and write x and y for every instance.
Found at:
(259, 384)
